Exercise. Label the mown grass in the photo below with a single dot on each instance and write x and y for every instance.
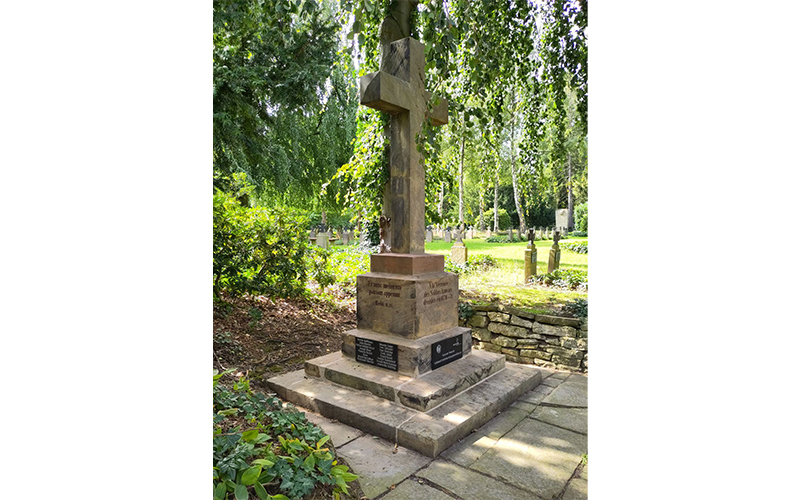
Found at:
(506, 281)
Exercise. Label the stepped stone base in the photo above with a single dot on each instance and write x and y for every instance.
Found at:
(436, 424)
(421, 393)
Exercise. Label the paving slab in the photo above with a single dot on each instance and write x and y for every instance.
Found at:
(574, 419)
(378, 468)
(552, 381)
(572, 392)
(470, 485)
(340, 433)
(411, 489)
(535, 456)
(536, 395)
(577, 489)
(472, 447)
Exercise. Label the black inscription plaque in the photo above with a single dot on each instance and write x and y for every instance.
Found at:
(446, 351)
(376, 353)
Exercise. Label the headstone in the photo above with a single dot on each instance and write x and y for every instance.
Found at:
(458, 252)
(488, 233)
(554, 258)
(407, 305)
(471, 233)
(322, 240)
(447, 235)
(530, 256)
(313, 234)
(562, 219)
(510, 235)
(428, 235)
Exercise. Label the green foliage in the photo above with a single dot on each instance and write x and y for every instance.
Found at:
(579, 234)
(503, 238)
(227, 346)
(318, 265)
(578, 308)
(256, 250)
(246, 457)
(582, 217)
(503, 219)
(573, 279)
(577, 247)
(373, 230)
(348, 262)
(465, 311)
(474, 264)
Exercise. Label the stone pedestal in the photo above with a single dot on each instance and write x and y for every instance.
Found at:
(554, 259)
(458, 253)
(530, 262)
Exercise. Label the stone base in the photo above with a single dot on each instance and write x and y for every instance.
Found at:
(406, 263)
(458, 253)
(413, 355)
(428, 432)
(421, 393)
(409, 306)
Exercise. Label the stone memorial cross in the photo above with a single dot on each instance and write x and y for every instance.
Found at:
(399, 89)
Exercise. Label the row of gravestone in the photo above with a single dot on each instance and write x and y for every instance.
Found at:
(448, 234)
(325, 238)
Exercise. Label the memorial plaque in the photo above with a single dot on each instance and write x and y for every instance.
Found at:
(446, 351)
(376, 353)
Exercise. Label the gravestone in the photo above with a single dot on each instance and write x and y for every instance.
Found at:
(530, 256)
(428, 235)
(471, 233)
(510, 235)
(313, 234)
(488, 233)
(562, 220)
(458, 252)
(554, 259)
(447, 236)
(407, 372)
(322, 240)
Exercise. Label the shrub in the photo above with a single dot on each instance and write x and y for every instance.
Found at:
(573, 279)
(473, 264)
(581, 215)
(256, 250)
(503, 238)
(579, 234)
(247, 459)
(578, 308)
(502, 217)
(577, 247)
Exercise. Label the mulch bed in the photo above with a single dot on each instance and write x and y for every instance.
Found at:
(265, 337)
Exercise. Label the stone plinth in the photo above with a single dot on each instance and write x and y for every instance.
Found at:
(458, 253)
(554, 258)
(410, 306)
(530, 262)
(406, 263)
(413, 355)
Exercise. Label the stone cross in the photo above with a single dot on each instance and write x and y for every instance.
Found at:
(399, 89)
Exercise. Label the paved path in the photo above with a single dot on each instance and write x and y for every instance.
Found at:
(532, 450)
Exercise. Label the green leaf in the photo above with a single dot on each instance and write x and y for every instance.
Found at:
(240, 492)
(219, 491)
(260, 491)
(249, 436)
(263, 462)
(231, 411)
(250, 475)
(322, 441)
(279, 497)
(309, 462)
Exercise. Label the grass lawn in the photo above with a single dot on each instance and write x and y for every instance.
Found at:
(505, 282)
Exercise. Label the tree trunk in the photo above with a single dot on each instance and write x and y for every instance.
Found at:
(514, 178)
(461, 187)
(570, 199)
(482, 225)
(496, 193)
(441, 201)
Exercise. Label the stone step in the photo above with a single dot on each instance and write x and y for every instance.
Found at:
(430, 432)
(421, 393)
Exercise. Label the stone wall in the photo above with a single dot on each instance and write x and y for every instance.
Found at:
(535, 339)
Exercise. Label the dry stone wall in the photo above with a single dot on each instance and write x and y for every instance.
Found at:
(535, 339)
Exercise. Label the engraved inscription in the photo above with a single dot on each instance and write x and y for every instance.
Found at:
(437, 292)
(383, 291)
(446, 351)
(376, 353)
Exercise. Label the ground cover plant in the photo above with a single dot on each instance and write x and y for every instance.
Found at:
(265, 450)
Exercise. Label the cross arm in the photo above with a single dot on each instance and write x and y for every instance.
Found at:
(385, 92)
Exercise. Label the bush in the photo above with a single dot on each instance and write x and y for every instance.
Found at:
(579, 234)
(503, 238)
(581, 216)
(577, 247)
(247, 459)
(573, 279)
(578, 308)
(502, 217)
(473, 264)
(256, 250)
